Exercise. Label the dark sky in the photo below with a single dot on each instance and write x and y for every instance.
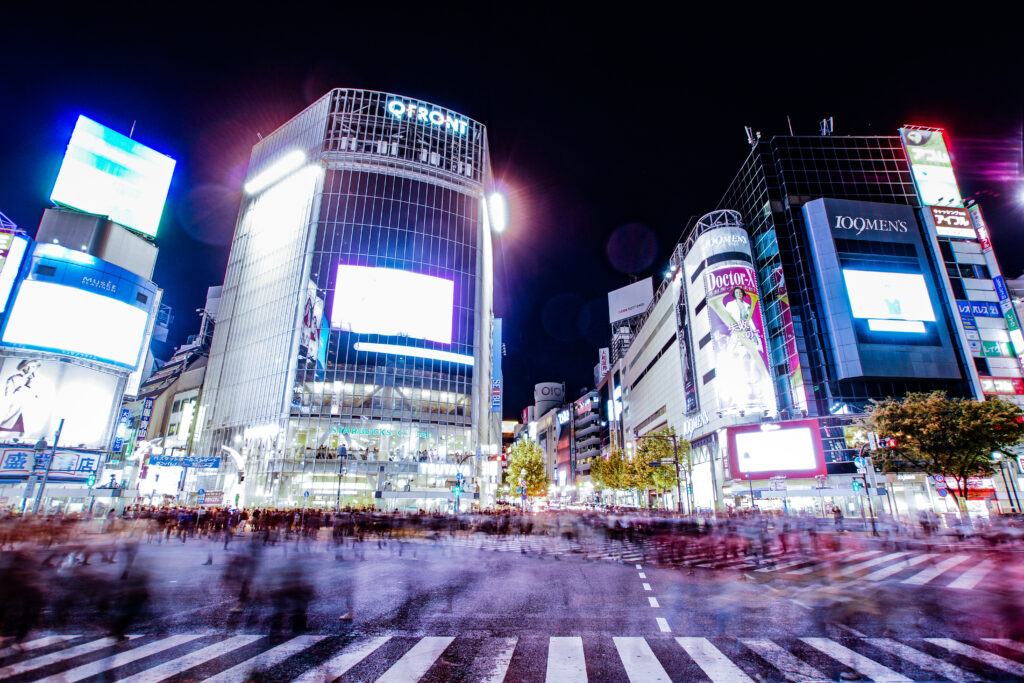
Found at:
(596, 122)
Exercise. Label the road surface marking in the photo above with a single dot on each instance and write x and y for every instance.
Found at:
(710, 659)
(54, 657)
(852, 569)
(265, 660)
(565, 661)
(497, 666)
(349, 657)
(647, 586)
(854, 660)
(858, 556)
(973, 576)
(886, 572)
(639, 567)
(653, 601)
(639, 661)
(642, 575)
(414, 664)
(35, 644)
(927, 575)
(1006, 642)
(922, 660)
(984, 656)
(791, 667)
(180, 664)
(122, 658)
(663, 625)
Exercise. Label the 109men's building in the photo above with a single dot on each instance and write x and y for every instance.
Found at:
(353, 355)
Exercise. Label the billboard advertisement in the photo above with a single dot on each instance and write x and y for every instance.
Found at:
(952, 221)
(931, 167)
(891, 302)
(796, 375)
(37, 394)
(391, 302)
(312, 316)
(67, 465)
(791, 449)
(12, 252)
(737, 337)
(496, 378)
(111, 175)
(630, 300)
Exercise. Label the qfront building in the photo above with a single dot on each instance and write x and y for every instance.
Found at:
(352, 361)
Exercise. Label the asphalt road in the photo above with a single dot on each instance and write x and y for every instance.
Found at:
(457, 612)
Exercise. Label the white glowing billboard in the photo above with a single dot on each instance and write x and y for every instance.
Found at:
(53, 317)
(393, 302)
(110, 174)
(891, 302)
(790, 448)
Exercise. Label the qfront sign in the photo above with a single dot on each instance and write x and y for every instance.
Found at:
(422, 113)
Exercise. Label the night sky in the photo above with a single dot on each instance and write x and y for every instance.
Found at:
(608, 131)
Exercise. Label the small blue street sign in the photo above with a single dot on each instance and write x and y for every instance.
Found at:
(858, 461)
(202, 492)
(306, 494)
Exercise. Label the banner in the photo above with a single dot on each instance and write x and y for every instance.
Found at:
(184, 461)
(796, 375)
(737, 332)
(18, 461)
(147, 412)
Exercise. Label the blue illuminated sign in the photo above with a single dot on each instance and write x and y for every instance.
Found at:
(984, 309)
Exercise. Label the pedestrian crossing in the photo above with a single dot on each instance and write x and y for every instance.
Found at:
(400, 658)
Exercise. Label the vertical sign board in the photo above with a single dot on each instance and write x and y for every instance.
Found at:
(122, 429)
(147, 411)
(1012, 324)
(796, 377)
(496, 378)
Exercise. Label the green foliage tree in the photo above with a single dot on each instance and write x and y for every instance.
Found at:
(936, 434)
(657, 447)
(525, 454)
(607, 473)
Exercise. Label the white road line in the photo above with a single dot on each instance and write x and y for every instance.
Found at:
(973, 576)
(54, 657)
(855, 660)
(565, 661)
(349, 657)
(122, 658)
(710, 659)
(180, 664)
(639, 567)
(497, 666)
(927, 575)
(653, 601)
(663, 625)
(790, 666)
(983, 656)
(647, 586)
(639, 661)
(642, 575)
(265, 660)
(1006, 642)
(886, 572)
(858, 556)
(30, 645)
(922, 660)
(853, 569)
(414, 664)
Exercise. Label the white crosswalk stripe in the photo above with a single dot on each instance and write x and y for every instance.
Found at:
(35, 644)
(639, 660)
(973, 576)
(267, 659)
(922, 660)
(858, 556)
(185, 662)
(338, 665)
(122, 658)
(984, 656)
(854, 568)
(790, 666)
(565, 660)
(886, 572)
(492, 659)
(414, 663)
(716, 665)
(931, 573)
(856, 661)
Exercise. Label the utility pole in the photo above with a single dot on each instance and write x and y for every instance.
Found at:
(49, 464)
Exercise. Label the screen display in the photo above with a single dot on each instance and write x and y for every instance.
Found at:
(109, 174)
(53, 317)
(781, 450)
(393, 303)
(886, 297)
(37, 394)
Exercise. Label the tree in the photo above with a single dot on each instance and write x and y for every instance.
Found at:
(939, 435)
(525, 454)
(607, 473)
(657, 447)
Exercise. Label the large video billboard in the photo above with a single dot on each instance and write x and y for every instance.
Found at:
(76, 304)
(625, 302)
(891, 302)
(392, 302)
(37, 394)
(110, 174)
(12, 252)
(790, 449)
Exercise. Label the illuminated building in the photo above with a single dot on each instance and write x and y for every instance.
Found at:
(355, 329)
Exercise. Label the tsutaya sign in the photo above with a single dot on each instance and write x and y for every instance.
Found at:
(425, 114)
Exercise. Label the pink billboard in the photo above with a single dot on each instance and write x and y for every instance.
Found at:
(796, 375)
(743, 379)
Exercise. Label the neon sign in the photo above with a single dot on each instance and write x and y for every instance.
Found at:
(424, 114)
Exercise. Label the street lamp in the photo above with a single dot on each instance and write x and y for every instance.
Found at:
(497, 209)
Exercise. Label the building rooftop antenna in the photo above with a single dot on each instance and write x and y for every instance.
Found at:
(827, 126)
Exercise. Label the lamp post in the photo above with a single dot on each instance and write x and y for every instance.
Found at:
(522, 484)
(675, 460)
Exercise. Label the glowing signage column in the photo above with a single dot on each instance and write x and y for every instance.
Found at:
(1005, 303)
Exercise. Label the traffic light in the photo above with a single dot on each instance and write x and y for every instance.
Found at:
(857, 486)
(91, 480)
(457, 490)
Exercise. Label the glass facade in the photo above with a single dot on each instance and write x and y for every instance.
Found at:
(336, 390)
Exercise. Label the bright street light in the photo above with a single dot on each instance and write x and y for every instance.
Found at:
(497, 207)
